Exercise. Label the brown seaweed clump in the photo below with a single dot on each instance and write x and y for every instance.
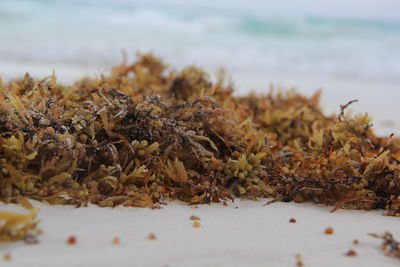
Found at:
(145, 134)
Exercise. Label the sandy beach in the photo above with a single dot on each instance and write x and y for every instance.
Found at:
(244, 233)
(349, 49)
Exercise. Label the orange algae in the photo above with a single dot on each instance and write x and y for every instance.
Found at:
(71, 240)
(116, 240)
(329, 231)
(17, 226)
(351, 253)
(196, 224)
(151, 236)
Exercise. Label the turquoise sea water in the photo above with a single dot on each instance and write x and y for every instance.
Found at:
(335, 38)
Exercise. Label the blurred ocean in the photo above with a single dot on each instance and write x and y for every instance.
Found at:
(301, 37)
(256, 40)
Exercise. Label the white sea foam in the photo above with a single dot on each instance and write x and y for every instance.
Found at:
(348, 38)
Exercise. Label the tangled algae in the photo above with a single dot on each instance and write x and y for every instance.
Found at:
(145, 134)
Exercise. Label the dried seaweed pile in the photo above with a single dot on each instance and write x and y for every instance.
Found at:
(145, 134)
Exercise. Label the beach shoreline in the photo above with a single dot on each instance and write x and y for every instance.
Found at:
(103, 147)
(243, 233)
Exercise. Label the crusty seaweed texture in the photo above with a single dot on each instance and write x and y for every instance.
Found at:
(145, 134)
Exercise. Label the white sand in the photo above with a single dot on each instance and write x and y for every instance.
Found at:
(251, 235)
